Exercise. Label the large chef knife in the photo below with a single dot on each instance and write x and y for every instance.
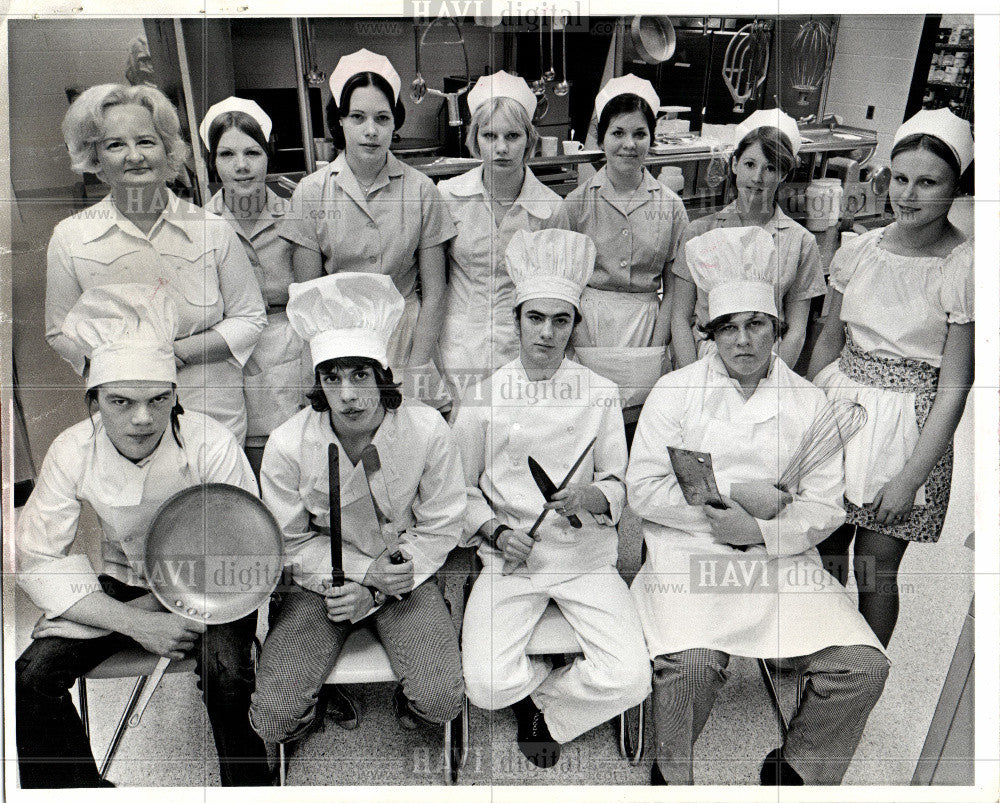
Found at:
(336, 542)
(509, 565)
(373, 466)
(549, 489)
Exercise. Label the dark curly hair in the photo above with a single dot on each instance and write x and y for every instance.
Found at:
(390, 394)
(175, 413)
(713, 326)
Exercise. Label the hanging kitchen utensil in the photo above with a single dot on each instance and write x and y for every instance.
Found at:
(744, 67)
(562, 88)
(419, 89)
(550, 74)
(315, 76)
(812, 56)
(214, 554)
(718, 167)
(651, 39)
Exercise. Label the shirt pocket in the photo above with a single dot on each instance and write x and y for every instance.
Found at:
(196, 275)
(102, 265)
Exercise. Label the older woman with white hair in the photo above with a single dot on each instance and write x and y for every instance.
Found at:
(488, 204)
(141, 232)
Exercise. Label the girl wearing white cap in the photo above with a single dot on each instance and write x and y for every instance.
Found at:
(142, 232)
(544, 406)
(369, 212)
(746, 579)
(137, 449)
(637, 224)
(348, 320)
(901, 322)
(488, 204)
(764, 157)
(236, 132)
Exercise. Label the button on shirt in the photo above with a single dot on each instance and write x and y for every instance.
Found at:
(800, 265)
(636, 239)
(377, 232)
(82, 465)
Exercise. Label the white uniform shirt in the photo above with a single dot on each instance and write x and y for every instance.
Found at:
(508, 417)
(423, 478)
(767, 601)
(479, 332)
(82, 465)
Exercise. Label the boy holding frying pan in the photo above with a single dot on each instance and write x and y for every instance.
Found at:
(401, 501)
(134, 454)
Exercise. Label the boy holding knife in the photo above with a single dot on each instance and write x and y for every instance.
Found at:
(416, 504)
(568, 421)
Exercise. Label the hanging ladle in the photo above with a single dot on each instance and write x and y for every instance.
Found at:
(538, 85)
(550, 74)
(562, 88)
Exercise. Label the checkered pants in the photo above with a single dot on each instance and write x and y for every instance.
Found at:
(842, 686)
(303, 646)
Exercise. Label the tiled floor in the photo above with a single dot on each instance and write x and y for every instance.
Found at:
(172, 746)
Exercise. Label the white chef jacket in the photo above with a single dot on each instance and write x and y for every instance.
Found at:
(197, 258)
(508, 417)
(774, 600)
(82, 465)
(478, 334)
(422, 493)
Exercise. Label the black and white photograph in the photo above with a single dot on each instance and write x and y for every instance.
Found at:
(499, 394)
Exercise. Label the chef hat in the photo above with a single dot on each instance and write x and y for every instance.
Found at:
(550, 263)
(738, 268)
(775, 118)
(502, 85)
(626, 85)
(363, 61)
(234, 104)
(127, 331)
(346, 315)
(953, 131)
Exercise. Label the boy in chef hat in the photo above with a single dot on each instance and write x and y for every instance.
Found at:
(124, 465)
(749, 411)
(347, 319)
(544, 406)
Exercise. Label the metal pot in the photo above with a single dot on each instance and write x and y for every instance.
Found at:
(653, 38)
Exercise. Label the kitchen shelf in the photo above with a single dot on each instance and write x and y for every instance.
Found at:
(954, 48)
(947, 84)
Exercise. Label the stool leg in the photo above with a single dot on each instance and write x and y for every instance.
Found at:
(282, 766)
(772, 692)
(630, 749)
(81, 694)
(140, 684)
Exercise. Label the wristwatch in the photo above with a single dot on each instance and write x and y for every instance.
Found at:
(500, 530)
(380, 597)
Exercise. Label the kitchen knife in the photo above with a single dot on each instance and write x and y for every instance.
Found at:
(336, 542)
(548, 488)
(508, 565)
(373, 465)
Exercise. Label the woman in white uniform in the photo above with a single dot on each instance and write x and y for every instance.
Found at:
(544, 406)
(347, 320)
(137, 449)
(743, 580)
(368, 212)
(142, 232)
(901, 321)
(488, 204)
(764, 157)
(637, 224)
(236, 134)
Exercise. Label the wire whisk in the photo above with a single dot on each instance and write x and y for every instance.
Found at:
(838, 422)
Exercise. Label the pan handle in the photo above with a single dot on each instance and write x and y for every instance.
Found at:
(151, 683)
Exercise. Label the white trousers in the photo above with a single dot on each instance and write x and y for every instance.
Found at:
(611, 676)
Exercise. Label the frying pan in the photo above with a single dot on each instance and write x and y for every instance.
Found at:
(214, 554)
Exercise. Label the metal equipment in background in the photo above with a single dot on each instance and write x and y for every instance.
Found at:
(419, 89)
(812, 57)
(562, 88)
(744, 67)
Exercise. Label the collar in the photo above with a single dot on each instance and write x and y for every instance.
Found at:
(341, 172)
(388, 439)
(274, 209)
(601, 184)
(534, 197)
(104, 215)
(730, 216)
(522, 372)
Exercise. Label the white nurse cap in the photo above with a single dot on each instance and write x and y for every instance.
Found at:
(502, 85)
(346, 315)
(953, 131)
(738, 267)
(550, 263)
(626, 85)
(234, 104)
(363, 61)
(127, 331)
(775, 118)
